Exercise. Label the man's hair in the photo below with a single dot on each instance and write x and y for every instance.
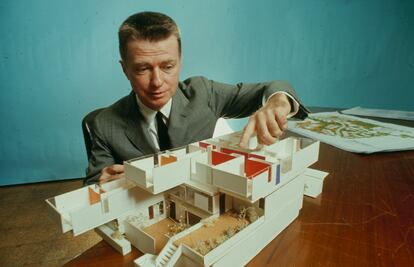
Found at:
(151, 26)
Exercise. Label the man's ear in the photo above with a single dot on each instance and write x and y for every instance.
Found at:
(181, 60)
(124, 68)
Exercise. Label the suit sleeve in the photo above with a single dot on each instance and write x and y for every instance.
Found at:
(243, 99)
(101, 156)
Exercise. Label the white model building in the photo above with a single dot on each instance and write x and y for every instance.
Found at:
(207, 204)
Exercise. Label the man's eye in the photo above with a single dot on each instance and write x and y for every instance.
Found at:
(168, 67)
(141, 70)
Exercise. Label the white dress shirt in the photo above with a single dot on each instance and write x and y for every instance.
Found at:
(151, 122)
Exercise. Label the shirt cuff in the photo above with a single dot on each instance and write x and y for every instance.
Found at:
(293, 103)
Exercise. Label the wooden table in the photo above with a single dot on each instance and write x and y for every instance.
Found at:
(364, 217)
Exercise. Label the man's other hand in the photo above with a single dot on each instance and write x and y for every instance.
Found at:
(269, 122)
(112, 172)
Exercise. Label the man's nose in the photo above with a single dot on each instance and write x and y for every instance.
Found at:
(156, 79)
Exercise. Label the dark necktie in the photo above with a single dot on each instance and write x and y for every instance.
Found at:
(163, 138)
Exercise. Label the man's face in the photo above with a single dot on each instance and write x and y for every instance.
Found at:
(153, 69)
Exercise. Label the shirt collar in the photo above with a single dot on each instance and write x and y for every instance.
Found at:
(149, 114)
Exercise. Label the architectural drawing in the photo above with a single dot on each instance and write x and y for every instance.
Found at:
(209, 203)
(348, 127)
(353, 133)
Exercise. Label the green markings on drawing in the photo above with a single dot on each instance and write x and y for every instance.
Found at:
(348, 128)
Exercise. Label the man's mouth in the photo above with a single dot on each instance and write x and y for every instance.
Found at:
(158, 94)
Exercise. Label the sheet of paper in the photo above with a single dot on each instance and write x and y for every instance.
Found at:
(380, 113)
(354, 134)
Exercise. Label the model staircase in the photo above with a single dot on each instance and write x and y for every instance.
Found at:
(164, 259)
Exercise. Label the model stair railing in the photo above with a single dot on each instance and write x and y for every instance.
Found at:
(167, 258)
(175, 255)
(164, 251)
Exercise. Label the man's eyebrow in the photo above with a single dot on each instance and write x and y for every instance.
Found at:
(169, 61)
(141, 64)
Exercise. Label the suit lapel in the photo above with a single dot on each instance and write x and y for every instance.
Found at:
(136, 129)
(178, 121)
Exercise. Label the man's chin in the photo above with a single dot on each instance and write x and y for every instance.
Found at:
(157, 104)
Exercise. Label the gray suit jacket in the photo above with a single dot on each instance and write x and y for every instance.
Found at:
(120, 132)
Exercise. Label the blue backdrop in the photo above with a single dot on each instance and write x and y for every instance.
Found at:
(59, 60)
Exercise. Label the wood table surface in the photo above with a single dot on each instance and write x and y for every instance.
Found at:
(364, 217)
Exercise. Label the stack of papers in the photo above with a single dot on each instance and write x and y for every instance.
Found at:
(354, 134)
(380, 113)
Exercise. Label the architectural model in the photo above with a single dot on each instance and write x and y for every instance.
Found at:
(210, 203)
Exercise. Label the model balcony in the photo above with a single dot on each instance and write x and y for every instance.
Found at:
(163, 171)
(88, 207)
(255, 174)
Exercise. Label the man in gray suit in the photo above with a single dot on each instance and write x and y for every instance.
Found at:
(162, 113)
